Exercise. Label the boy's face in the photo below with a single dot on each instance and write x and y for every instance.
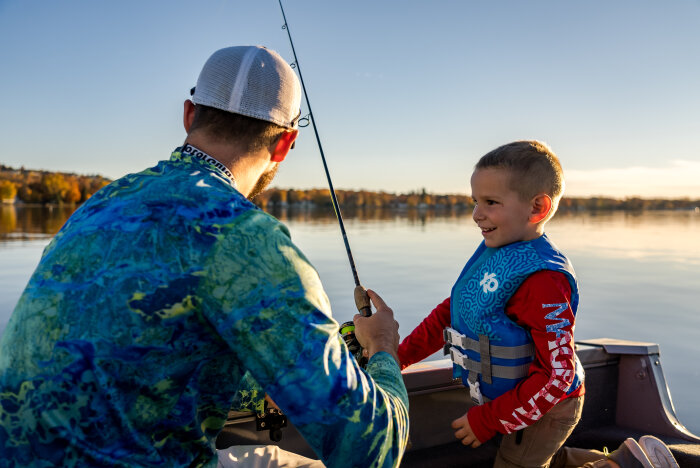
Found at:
(501, 214)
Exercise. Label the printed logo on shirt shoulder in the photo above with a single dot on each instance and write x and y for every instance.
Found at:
(489, 283)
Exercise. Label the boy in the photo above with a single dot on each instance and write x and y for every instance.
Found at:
(509, 322)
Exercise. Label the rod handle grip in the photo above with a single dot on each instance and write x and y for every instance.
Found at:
(362, 301)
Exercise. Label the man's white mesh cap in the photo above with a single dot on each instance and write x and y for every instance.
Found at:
(252, 81)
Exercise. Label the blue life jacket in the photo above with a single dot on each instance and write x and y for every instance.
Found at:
(491, 353)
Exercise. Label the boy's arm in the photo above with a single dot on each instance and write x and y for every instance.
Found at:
(426, 338)
(542, 306)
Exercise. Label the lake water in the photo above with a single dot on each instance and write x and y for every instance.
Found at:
(639, 273)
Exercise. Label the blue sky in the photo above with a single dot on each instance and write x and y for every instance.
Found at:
(406, 94)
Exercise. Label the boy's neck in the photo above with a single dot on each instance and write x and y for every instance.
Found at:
(534, 234)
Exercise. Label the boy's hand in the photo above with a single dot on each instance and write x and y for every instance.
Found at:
(464, 431)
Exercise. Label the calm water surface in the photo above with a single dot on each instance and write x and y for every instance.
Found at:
(639, 273)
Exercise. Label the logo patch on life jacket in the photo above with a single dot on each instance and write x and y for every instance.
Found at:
(489, 283)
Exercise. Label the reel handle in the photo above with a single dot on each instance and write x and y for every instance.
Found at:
(347, 331)
(362, 301)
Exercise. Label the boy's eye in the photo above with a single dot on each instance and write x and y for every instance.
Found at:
(491, 202)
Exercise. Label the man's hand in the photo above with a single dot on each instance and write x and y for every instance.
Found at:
(380, 332)
(464, 431)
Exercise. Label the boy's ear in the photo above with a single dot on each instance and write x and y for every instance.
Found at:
(283, 145)
(541, 206)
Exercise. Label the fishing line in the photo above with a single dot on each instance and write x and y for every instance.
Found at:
(361, 299)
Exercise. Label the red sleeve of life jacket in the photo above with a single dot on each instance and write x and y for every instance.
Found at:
(426, 338)
(542, 306)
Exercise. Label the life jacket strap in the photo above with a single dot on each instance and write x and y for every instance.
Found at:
(455, 338)
(485, 356)
(503, 372)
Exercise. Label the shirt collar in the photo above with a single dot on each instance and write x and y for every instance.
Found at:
(200, 155)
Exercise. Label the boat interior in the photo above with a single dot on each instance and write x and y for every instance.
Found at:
(626, 396)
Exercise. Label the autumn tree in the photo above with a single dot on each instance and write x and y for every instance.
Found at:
(55, 187)
(88, 185)
(8, 190)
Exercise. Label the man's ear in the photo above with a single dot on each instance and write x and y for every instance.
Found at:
(188, 115)
(541, 205)
(283, 145)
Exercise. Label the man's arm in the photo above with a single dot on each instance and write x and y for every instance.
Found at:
(277, 320)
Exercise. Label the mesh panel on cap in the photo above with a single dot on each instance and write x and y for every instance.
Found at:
(252, 81)
(216, 80)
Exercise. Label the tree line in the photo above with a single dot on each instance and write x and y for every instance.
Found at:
(627, 203)
(276, 197)
(279, 197)
(31, 186)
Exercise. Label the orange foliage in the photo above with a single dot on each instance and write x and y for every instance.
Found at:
(49, 187)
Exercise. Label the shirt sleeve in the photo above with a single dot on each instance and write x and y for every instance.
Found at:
(268, 303)
(427, 337)
(542, 306)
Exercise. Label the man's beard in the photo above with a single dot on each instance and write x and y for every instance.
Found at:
(263, 182)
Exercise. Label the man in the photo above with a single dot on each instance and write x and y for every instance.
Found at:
(167, 289)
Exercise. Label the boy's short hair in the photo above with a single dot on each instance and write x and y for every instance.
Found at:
(533, 166)
(252, 134)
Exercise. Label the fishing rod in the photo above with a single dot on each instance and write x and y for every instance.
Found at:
(361, 298)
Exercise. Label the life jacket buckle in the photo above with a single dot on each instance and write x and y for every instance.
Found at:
(475, 392)
(446, 349)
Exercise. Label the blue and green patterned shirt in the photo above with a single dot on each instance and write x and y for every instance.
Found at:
(149, 311)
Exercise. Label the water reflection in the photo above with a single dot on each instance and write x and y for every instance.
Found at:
(325, 215)
(631, 218)
(663, 235)
(8, 219)
(22, 221)
(26, 221)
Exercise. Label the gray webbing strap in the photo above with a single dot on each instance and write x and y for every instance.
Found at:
(503, 372)
(485, 355)
(455, 338)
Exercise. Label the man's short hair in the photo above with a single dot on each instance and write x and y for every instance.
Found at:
(533, 168)
(251, 134)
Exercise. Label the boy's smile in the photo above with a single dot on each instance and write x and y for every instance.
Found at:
(501, 214)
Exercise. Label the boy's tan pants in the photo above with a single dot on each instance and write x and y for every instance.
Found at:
(542, 440)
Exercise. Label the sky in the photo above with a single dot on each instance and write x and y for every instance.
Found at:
(406, 94)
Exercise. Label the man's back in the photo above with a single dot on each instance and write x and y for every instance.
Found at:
(145, 312)
(121, 359)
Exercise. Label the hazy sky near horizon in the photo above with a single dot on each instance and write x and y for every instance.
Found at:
(406, 95)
